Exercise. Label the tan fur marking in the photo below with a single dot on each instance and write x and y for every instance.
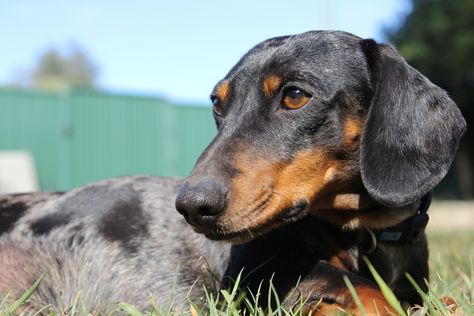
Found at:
(373, 301)
(371, 298)
(271, 84)
(337, 262)
(352, 131)
(251, 202)
(355, 210)
(306, 176)
(330, 174)
(266, 188)
(223, 90)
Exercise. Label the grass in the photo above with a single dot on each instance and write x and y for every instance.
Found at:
(452, 275)
(452, 267)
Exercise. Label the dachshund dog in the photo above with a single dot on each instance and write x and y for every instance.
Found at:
(328, 146)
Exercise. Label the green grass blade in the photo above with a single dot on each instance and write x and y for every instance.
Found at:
(22, 300)
(41, 310)
(423, 295)
(5, 299)
(74, 304)
(434, 304)
(85, 308)
(251, 301)
(356, 298)
(211, 303)
(269, 301)
(274, 293)
(229, 298)
(129, 309)
(386, 291)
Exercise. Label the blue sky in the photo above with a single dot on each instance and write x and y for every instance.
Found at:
(177, 49)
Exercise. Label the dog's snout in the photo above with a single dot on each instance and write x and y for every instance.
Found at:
(201, 203)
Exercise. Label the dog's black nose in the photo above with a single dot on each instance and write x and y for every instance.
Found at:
(201, 204)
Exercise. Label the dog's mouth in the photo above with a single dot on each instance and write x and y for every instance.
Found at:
(245, 234)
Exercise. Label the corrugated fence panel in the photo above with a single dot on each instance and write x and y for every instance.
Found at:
(115, 135)
(195, 129)
(31, 121)
(81, 136)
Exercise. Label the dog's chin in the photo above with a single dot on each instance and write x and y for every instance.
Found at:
(233, 238)
(247, 234)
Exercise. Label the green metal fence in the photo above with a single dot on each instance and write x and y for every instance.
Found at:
(83, 136)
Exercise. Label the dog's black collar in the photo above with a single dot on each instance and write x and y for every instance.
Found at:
(407, 231)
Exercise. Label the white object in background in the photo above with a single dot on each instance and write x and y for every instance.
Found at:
(17, 172)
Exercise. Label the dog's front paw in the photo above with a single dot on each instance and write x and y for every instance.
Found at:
(317, 301)
(316, 305)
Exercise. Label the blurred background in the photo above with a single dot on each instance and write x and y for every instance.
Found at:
(95, 89)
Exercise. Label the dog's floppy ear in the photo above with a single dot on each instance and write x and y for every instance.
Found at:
(411, 132)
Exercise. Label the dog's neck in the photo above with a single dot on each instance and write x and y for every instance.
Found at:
(346, 203)
(358, 210)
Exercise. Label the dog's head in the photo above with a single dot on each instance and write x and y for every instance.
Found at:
(324, 123)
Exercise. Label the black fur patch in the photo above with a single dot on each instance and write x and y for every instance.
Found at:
(14, 206)
(125, 222)
(46, 224)
(9, 214)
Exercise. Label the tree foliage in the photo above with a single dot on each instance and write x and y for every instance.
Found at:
(437, 38)
(55, 71)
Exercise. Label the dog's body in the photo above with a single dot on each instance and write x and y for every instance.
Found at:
(116, 240)
(122, 240)
(324, 138)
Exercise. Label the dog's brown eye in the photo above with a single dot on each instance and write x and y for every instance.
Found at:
(295, 98)
(216, 105)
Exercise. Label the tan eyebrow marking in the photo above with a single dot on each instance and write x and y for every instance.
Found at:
(352, 131)
(271, 84)
(222, 90)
